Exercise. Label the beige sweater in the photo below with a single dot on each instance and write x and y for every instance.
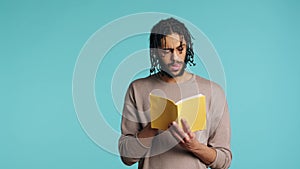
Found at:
(165, 153)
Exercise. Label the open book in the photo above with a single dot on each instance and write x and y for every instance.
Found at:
(163, 111)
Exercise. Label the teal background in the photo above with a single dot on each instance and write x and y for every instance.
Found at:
(257, 41)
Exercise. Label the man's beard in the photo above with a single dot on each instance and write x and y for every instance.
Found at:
(165, 70)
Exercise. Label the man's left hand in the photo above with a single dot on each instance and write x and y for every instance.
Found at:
(184, 135)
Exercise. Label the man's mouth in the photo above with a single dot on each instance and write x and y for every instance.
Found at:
(175, 66)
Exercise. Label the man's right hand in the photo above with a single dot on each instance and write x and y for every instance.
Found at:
(146, 135)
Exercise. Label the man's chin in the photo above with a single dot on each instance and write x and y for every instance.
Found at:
(173, 75)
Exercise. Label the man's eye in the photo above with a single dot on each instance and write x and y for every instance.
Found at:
(166, 51)
(180, 48)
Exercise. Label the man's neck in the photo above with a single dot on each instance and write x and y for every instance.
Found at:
(178, 79)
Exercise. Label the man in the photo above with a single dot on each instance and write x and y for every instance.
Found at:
(176, 148)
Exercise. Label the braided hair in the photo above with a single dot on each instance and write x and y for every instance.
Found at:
(160, 31)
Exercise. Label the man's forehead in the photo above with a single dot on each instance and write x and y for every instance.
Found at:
(173, 39)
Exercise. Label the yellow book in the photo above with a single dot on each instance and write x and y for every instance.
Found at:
(163, 111)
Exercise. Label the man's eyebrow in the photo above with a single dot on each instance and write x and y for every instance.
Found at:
(173, 48)
(168, 49)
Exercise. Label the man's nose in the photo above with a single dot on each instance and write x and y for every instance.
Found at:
(175, 55)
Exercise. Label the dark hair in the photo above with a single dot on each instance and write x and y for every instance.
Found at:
(161, 30)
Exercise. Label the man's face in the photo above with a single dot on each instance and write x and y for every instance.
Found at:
(172, 55)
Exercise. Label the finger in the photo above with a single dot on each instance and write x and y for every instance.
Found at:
(186, 128)
(176, 129)
(177, 137)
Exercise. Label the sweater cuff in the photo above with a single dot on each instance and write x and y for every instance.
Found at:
(219, 161)
(141, 144)
(131, 147)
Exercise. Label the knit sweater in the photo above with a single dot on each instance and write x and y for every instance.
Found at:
(165, 152)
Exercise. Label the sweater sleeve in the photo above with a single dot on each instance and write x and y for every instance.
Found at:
(220, 137)
(220, 141)
(130, 148)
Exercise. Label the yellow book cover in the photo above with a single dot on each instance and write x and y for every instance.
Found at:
(163, 111)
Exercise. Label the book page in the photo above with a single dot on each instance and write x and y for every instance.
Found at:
(188, 98)
(162, 112)
(193, 110)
